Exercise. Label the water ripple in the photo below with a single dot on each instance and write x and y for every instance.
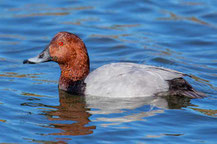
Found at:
(177, 34)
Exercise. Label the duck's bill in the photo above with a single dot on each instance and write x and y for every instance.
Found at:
(44, 56)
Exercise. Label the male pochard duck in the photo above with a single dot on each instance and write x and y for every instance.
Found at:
(110, 80)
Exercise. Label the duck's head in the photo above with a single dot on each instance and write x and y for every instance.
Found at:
(64, 48)
(69, 51)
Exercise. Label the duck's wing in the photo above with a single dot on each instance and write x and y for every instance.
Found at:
(129, 79)
(166, 74)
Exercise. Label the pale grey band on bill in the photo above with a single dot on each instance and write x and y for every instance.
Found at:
(44, 56)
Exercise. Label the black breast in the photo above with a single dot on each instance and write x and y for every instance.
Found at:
(77, 87)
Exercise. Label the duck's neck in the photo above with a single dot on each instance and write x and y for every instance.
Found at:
(73, 75)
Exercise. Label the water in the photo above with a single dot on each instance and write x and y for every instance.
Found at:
(177, 34)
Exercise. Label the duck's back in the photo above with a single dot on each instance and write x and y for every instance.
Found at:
(129, 80)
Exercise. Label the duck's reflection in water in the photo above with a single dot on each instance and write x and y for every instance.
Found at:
(71, 116)
(132, 109)
(109, 111)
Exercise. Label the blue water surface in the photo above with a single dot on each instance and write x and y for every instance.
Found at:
(176, 34)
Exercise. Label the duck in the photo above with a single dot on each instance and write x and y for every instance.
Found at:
(115, 80)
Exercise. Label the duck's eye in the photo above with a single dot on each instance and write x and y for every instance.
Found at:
(60, 43)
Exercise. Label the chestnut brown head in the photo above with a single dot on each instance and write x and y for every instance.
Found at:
(64, 48)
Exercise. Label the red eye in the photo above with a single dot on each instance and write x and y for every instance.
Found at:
(60, 43)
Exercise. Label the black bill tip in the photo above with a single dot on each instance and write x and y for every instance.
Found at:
(28, 62)
(25, 61)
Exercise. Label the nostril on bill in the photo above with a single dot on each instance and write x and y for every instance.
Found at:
(41, 55)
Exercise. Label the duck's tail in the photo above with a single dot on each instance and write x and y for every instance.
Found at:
(180, 87)
(193, 94)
